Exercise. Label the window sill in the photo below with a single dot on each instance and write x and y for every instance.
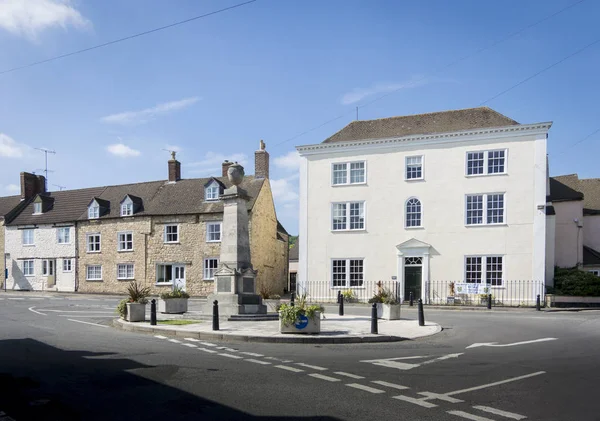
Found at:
(28, 245)
(349, 231)
(125, 251)
(485, 225)
(93, 252)
(349, 184)
(94, 280)
(29, 276)
(171, 242)
(414, 228)
(415, 179)
(163, 284)
(209, 280)
(125, 279)
(213, 241)
(485, 175)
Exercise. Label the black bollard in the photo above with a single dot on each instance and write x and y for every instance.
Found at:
(410, 302)
(153, 312)
(421, 314)
(341, 312)
(215, 315)
(339, 296)
(374, 319)
(292, 299)
(489, 303)
(537, 303)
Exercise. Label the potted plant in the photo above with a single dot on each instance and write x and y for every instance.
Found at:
(173, 302)
(136, 303)
(483, 298)
(348, 296)
(388, 306)
(300, 318)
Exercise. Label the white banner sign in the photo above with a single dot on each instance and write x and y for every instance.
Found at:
(471, 288)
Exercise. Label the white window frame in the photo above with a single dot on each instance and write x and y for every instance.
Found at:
(347, 280)
(87, 242)
(406, 164)
(127, 208)
(486, 154)
(126, 267)
(484, 220)
(207, 275)
(37, 208)
(94, 211)
(349, 173)
(484, 273)
(208, 233)
(211, 192)
(30, 265)
(87, 273)
(67, 265)
(594, 272)
(121, 243)
(46, 265)
(172, 273)
(165, 234)
(406, 213)
(24, 237)
(348, 216)
(59, 237)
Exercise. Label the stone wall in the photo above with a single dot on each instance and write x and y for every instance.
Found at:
(269, 255)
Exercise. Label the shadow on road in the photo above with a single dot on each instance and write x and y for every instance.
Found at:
(43, 383)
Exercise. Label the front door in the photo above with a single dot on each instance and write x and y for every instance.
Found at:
(412, 282)
(293, 282)
(179, 277)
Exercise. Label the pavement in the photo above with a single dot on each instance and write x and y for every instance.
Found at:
(334, 329)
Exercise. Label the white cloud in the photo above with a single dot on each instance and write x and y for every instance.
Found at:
(29, 18)
(210, 165)
(285, 190)
(9, 148)
(358, 94)
(145, 115)
(289, 162)
(12, 188)
(122, 150)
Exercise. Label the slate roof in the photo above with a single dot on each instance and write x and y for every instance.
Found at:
(7, 204)
(560, 192)
(294, 254)
(438, 122)
(588, 187)
(590, 256)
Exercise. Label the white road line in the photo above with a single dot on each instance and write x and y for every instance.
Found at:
(80, 315)
(192, 339)
(235, 357)
(16, 298)
(365, 388)
(393, 385)
(352, 376)
(190, 345)
(504, 414)
(326, 378)
(314, 367)
(224, 348)
(36, 312)
(206, 343)
(442, 397)
(468, 416)
(35, 298)
(420, 402)
(160, 337)
(87, 323)
(514, 379)
(78, 311)
(175, 341)
(285, 367)
(252, 360)
(210, 351)
(252, 354)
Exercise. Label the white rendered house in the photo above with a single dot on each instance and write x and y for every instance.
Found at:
(449, 196)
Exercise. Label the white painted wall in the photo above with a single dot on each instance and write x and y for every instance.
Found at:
(46, 247)
(442, 193)
(591, 231)
(568, 244)
(550, 248)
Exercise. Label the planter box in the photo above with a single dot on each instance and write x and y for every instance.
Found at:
(388, 311)
(272, 304)
(173, 305)
(136, 312)
(305, 325)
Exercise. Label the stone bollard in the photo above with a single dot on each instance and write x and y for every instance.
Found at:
(421, 314)
(215, 325)
(153, 312)
(374, 329)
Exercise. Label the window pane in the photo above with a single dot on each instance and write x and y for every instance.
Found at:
(495, 208)
(414, 167)
(413, 213)
(356, 273)
(357, 172)
(473, 270)
(474, 163)
(214, 231)
(495, 162)
(339, 216)
(340, 175)
(357, 216)
(210, 267)
(474, 210)
(493, 274)
(339, 273)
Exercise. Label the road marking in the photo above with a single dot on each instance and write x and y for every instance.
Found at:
(278, 359)
(190, 345)
(35, 298)
(314, 367)
(87, 323)
(192, 339)
(207, 343)
(393, 362)
(210, 351)
(365, 388)
(175, 341)
(420, 402)
(494, 344)
(224, 348)
(514, 379)
(326, 378)
(36, 312)
(16, 298)
(352, 376)
(160, 337)
(285, 367)
(235, 357)
(504, 414)
(78, 311)
(469, 416)
(252, 360)
(252, 354)
(442, 397)
(395, 386)
(90, 317)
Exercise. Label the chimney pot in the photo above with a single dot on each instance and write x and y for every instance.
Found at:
(174, 169)
(261, 161)
(32, 185)
(224, 167)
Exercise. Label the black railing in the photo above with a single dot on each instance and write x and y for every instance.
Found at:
(519, 293)
(325, 292)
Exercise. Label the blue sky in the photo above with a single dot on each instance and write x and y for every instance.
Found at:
(271, 70)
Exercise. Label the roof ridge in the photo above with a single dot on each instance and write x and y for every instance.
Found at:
(435, 112)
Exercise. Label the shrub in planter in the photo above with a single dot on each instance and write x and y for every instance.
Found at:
(173, 302)
(388, 306)
(348, 296)
(136, 303)
(300, 318)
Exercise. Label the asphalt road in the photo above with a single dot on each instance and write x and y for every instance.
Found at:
(60, 360)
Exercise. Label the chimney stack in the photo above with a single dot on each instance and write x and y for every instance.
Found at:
(32, 185)
(225, 166)
(261, 162)
(174, 169)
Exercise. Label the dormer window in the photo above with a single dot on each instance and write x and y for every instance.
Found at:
(126, 209)
(211, 191)
(94, 211)
(37, 208)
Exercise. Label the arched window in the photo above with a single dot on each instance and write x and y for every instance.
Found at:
(413, 212)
